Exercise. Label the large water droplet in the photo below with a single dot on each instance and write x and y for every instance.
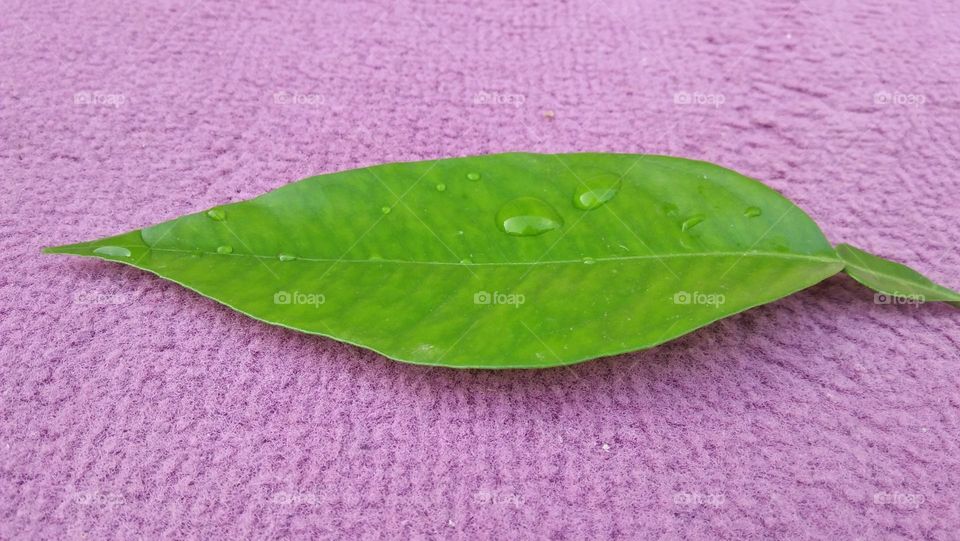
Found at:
(385, 210)
(692, 222)
(225, 249)
(595, 191)
(752, 212)
(528, 216)
(217, 214)
(473, 176)
(441, 187)
(112, 251)
(286, 257)
(589, 261)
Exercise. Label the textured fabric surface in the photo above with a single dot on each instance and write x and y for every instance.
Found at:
(132, 407)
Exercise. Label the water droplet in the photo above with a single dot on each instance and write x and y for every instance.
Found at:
(692, 222)
(528, 216)
(473, 176)
(286, 257)
(752, 212)
(217, 215)
(465, 262)
(670, 209)
(595, 191)
(441, 187)
(385, 210)
(589, 261)
(112, 251)
(225, 249)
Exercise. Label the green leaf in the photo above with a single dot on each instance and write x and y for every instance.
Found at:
(502, 261)
(895, 283)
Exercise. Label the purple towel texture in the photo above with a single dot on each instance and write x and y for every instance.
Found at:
(134, 408)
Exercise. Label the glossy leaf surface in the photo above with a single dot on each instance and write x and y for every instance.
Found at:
(501, 261)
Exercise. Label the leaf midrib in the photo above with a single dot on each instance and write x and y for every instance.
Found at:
(775, 255)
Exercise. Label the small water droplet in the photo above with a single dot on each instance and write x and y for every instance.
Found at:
(385, 210)
(441, 187)
(473, 176)
(670, 209)
(752, 212)
(225, 249)
(527, 217)
(286, 257)
(112, 251)
(465, 262)
(589, 261)
(692, 222)
(595, 191)
(217, 214)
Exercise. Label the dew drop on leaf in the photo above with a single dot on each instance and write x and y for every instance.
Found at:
(692, 222)
(225, 249)
(595, 191)
(752, 212)
(527, 217)
(589, 261)
(112, 251)
(217, 215)
(441, 187)
(286, 257)
(385, 210)
(473, 176)
(670, 209)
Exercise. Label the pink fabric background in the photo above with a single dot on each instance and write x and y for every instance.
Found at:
(150, 411)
